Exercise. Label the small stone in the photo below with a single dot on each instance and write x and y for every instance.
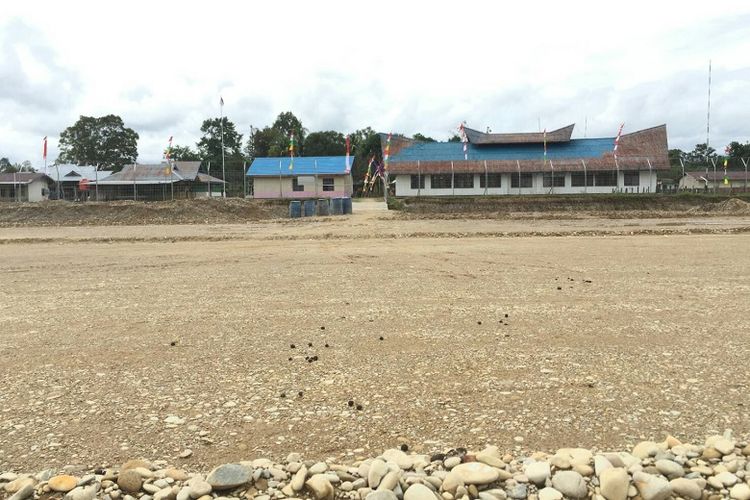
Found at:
(24, 492)
(167, 493)
(614, 483)
(318, 468)
(451, 462)
(381, 495)
(378, 470)
(726, 478)
(475, 473)
(135, 464)
(298, 481)
(82, 493)
(724, 445)
(549, 494)
(570, 484)
(176, 474)
(184, 493)
(390, 481)
(186, 453)
(491, 456)
(518, 491)
(686, 488)
(130, 481)
(19, 483)
(652, 487)
(740, 492)
(419, 492)
(560, 462)
(320, 486)
(63, 483)
(199, 488)
(228, 476)
(600, 464)
(398, 457)
(669, 468)
(645, 449)
(538, 472)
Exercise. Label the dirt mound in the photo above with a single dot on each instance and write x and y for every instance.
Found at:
(125, 213)
(733, 206)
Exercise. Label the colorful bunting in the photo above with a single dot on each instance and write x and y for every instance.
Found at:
(291, 150)
(348, 149)
(387, 155)
(617, 140)
(464, 139)
(44, 149)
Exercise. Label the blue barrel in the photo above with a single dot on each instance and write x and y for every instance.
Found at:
(324, 207)
(309, 208)
(347, 203)
(295, 209)
(337, 206)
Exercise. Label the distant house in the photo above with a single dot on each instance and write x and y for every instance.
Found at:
(708, 181)
(159, 182)
(24, 186)
(308, 177)
(70, 177)
(516, 163)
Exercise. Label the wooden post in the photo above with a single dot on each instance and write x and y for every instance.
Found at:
(650, 176)
(453, 181)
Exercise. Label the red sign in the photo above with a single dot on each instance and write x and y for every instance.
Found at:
(83, 184)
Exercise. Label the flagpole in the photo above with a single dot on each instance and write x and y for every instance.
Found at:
(135, 188)
(223, 171)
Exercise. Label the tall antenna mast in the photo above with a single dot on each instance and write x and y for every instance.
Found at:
(708, 112)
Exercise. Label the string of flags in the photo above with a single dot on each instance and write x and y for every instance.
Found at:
(168, 156)
(464, 139)
(617, 140)
(291, 150)
(387, 153)
(545, 147)
(727, 150)
(348, 150)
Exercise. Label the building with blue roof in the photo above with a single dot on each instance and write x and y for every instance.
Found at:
(516, 163)
(302, 177)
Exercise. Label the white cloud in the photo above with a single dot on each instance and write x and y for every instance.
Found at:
(401, 66)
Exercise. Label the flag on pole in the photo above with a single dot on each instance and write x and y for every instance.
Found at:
(367, 174)
(348, 149)
(387, 155)
(168, 152)
(464, 140)
(44, 148)
(291, 150)
(221, 101)
(545, 147)
(617, 140)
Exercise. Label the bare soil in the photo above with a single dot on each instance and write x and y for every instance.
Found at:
(637, 331)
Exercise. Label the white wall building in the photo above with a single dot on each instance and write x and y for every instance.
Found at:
(528, 164)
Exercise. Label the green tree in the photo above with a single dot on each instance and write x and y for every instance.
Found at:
(6, 167)
(184, 153)
(365, 145)
(736, 150)
(209, 147)
(103, 141)
(285, 125)
(261, 141)
(701, 154)
(454, 138)
(423, 138)
(328, 143)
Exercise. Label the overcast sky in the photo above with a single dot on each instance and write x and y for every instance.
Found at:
(395, 66)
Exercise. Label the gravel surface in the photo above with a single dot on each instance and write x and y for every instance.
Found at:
(123, 349)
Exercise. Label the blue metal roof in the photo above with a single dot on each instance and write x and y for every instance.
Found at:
(448, 151)
(303, 165)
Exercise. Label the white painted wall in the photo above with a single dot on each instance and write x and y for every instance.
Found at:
(275, 187)
(647, 183)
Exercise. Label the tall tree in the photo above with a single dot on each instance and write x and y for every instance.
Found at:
(736, 151)
(454, 138)
(183, 153)
(260, 142)
(209, 147)
(701, 154)
(103, 141)
(328, 143)
(423, 138)
(285, 125)
(6, 167)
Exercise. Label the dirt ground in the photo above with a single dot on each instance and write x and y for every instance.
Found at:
(616, 331)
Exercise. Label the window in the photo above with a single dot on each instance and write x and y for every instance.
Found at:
(463, 181)
(605, 178)
(632, 178)
(526, 180)
(417, 181)
(440, 181)
(492, 180)
(556, 180)
(296, 186)
(328, 183)
(578, 179)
